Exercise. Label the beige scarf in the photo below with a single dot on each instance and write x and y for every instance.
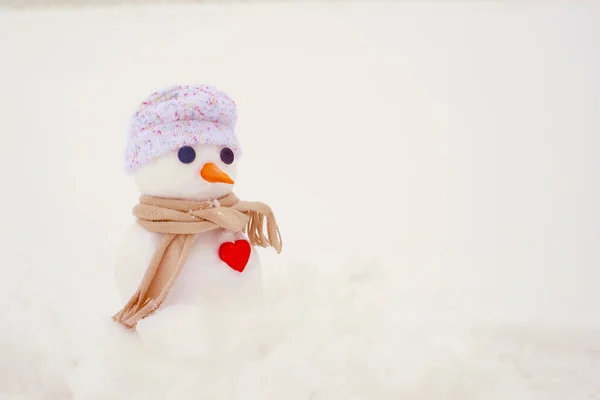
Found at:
(180, 221)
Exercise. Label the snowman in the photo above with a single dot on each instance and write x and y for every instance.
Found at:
(194, 241)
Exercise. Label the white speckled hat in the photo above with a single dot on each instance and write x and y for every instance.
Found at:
(180, 116)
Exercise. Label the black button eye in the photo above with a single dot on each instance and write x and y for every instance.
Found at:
(186, 154)
(227, 155)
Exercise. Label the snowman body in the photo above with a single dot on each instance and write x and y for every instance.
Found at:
(205, 279)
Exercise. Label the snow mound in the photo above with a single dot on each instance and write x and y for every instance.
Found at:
(311, 337)
(318, 332)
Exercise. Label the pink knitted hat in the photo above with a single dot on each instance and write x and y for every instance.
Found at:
(180, 116)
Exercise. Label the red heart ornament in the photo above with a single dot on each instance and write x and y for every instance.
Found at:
(236, 255)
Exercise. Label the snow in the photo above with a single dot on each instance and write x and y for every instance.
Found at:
(433, 168)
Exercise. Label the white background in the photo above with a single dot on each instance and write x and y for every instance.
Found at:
(438, 160)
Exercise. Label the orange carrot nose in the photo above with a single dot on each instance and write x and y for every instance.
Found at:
(211, 173)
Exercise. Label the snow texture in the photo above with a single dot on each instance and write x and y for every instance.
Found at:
(433, 168)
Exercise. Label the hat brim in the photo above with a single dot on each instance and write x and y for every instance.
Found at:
(163, 139)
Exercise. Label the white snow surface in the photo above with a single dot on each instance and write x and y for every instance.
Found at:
(433, 168)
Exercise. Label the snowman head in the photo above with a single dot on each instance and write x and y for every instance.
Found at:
(199, 172)
(182, 143)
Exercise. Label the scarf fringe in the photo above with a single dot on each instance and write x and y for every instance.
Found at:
(255, 230)
(134, 310)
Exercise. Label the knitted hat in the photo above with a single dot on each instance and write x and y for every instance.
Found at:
(180, 116)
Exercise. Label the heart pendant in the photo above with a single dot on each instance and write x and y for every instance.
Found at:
(235, 254)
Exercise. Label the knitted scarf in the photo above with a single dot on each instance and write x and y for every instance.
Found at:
(180, 221)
